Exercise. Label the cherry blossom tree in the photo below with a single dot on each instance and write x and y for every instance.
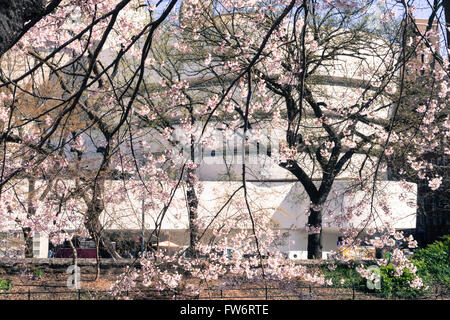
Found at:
(291, 68)
(329, 77)
(73, 64)
(221, 46)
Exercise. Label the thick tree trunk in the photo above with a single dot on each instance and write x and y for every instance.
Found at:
(92, 219)
(28, 242)
(315, 234)
(446, 4)
(192, 205)
(97, 259)
(13, 15)
(74, 253)
(95, 229)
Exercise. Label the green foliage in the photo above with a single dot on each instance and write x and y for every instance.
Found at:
(433, 262)
(37, 274)
(344, 276)
(5, 284)
(398, 286)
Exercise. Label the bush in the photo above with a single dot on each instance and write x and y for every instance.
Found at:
(433, 262)
(37, 274)
(5, 284)
(399, 287)
(344, 276)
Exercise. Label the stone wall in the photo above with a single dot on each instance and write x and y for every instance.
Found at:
(88, 266)
(60, 265)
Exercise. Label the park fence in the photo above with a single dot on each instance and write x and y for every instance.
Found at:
(301, 292)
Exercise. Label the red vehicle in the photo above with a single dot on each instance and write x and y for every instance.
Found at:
(81, 253)
(85, 249)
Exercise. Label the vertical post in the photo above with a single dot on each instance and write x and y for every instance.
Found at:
(143, 230)
(353, 292)
(29, 294)
(266, 292)
(79, 294)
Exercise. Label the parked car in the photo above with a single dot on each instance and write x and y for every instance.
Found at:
(81, 253)
(85, 249)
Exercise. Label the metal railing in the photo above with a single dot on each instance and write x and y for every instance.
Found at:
(301, 292)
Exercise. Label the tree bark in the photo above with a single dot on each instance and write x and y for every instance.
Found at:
(94, 226)
(192, 205)
(74, 253)
(13, 15)
(446, 4)
(28, 242)
(315, 239)
(97, 259)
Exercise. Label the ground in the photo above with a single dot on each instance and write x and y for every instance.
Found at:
(29, 286)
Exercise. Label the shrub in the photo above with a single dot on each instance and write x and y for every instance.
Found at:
(433, 262)
(398, 286)
(343, 276)
(5, 284)
(37, 274)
